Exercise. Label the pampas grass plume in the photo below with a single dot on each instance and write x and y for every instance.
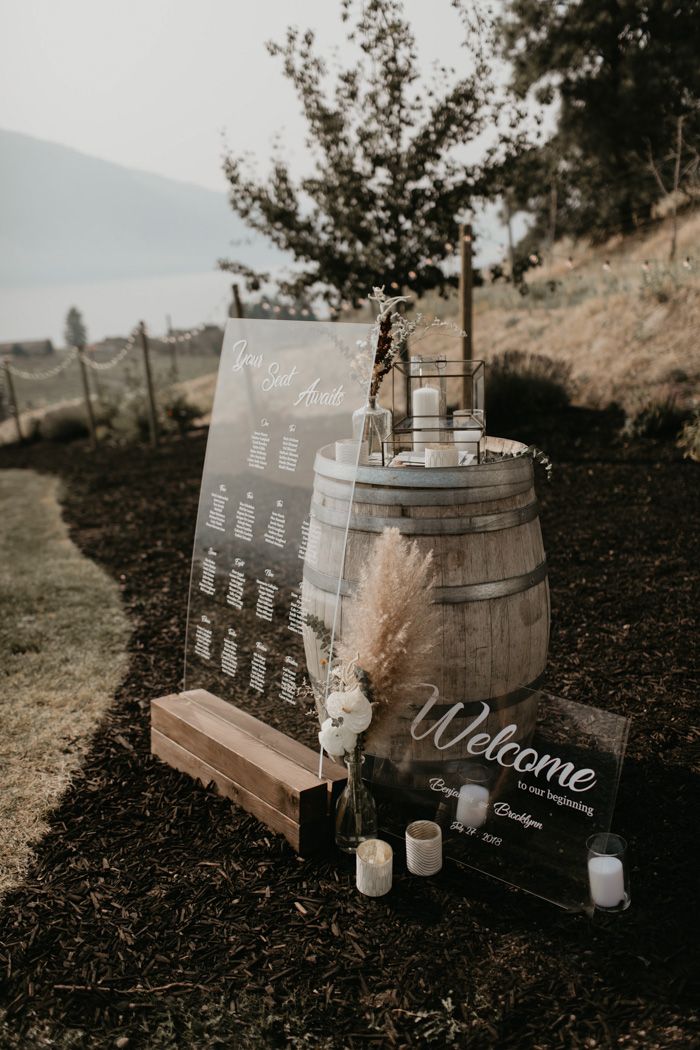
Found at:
(392, 625)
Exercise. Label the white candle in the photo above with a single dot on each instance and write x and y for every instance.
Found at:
(441, 456)
(467, 440)
(472, 805)
(426, 410)
(374, 867)
(607, 881)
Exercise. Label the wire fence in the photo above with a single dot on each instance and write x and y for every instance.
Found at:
(83, 358)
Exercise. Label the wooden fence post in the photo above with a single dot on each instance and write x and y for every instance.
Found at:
(152, 415)
(465, 301)
(14, 408)
(86, 394)
(237, 301)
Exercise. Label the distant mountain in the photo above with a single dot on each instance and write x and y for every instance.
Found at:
(65, 216)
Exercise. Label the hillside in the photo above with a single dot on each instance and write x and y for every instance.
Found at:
(621, 317)
(65, 216)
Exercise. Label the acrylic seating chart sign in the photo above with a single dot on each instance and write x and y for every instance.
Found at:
(284, 389)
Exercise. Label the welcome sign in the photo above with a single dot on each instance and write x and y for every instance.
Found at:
(517, 786)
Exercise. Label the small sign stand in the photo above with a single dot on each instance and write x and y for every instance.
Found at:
(267, 773)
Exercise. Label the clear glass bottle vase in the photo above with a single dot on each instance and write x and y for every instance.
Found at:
(356, 810)
(372, 423)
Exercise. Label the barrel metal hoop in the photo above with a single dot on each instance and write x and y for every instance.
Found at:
(476, 476)
(477, 523)
(471, 592)
(412, 497)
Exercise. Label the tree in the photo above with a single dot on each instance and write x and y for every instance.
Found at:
(75, 333)
(623, 72)
(380, 203)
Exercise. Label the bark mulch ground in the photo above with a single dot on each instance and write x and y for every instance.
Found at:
(157, 915)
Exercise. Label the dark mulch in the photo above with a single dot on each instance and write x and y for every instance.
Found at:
(159, 916)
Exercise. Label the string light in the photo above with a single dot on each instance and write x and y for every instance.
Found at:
(412, 274)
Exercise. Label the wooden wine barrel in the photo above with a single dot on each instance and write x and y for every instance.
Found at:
(481, 523)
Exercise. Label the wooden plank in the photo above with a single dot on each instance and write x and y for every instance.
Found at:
(335, 775)
(277, 780)
(304, 838)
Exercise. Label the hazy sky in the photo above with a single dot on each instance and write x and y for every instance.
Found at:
(152, 84)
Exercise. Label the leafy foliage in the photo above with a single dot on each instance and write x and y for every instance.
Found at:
(75, 331)
(386, 184)
(623, 72)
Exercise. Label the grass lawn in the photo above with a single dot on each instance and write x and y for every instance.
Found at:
(63, 638)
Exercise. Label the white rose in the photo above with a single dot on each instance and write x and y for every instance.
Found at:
(336, 740)
(353, 707)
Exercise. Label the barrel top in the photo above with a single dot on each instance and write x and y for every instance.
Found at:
(476, 475)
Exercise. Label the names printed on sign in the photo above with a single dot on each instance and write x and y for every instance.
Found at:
(229, 654)
(288, 691)
(295, 613)
(202, 638)
(217, 510)
(245, 519)
(258, 668)
(289, 454)
(236, 583)
(276, 531)
(206, 584)
(267, 590)
(257, 457)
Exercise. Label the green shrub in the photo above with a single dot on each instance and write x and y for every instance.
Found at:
(64, 424)
(689, 437)
(661, 420)
(523, 387)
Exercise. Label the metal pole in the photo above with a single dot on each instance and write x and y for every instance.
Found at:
(13, 399)
(86, 393)
(465, 302)
(152, 415)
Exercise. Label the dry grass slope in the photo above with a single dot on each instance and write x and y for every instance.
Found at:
(63, 638)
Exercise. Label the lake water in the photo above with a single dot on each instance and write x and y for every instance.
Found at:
(115, 307)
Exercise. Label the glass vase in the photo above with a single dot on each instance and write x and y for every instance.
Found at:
(356, 810)
(372, 423)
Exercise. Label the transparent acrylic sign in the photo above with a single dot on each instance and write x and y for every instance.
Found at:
(518, 784)
(284, 390)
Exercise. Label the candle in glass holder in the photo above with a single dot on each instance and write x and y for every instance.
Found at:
(468, 430)
(426, 412)
(374, 867)
(607, 881)
(472, 805)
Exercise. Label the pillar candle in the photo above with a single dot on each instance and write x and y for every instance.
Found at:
(472, 805)
(607, 881)
(426, 410)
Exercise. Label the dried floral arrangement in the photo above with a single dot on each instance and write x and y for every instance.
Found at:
(392, 332)
(390, 635)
